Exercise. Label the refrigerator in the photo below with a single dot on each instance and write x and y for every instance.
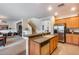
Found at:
(60, 29)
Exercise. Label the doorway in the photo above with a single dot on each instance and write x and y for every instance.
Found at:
(19, 28)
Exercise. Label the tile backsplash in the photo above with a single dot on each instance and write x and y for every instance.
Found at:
(74, 30)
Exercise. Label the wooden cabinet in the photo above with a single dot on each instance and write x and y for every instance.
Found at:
(76, 39)
(55, 41)
(53, 44)
(71, 22)
(43, 48)
(69, 38)
(38, 49)
(59, 21)
(34, 48)
(75, 22)
(72, 39)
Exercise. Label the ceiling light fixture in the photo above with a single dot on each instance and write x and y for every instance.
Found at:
(73, 8)
(2, 17)
(56, 13)
(49, 8)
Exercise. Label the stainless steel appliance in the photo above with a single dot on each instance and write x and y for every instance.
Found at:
(60, 29)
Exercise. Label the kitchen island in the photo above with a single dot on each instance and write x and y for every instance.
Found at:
(42, 45)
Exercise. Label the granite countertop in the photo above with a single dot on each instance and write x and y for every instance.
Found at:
(73, 32)
(36, 34)
(43, 38)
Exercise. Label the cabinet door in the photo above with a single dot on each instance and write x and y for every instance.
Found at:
(34, 48)
(75, 22)
(51, 45)
(72, 22)
(78, 39)
(60, 21)
(69, 23)
(69, 38)
(55, 41)
(75, 39)
(45, 49)
(57, 21)
(31, 48)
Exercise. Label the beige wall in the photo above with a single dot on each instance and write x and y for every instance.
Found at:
(12, 25)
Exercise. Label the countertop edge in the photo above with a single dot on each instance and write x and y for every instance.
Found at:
(45, 40)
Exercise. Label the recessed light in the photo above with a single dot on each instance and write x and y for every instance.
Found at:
(73, 8)
(56, 13)
(0, 21)
(49, 8)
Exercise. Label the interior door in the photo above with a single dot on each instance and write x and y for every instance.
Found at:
(20, 30)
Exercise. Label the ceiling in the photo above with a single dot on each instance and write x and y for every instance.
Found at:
(17, 11)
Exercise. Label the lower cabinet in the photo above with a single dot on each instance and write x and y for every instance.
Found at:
(34, 48)
(72, 39)
(53, 44)
(44, 48)
(69, 38)
(76, 39)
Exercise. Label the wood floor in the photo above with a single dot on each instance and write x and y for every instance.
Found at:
(66, 49)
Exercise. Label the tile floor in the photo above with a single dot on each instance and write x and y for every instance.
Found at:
(11, 40)
(14, 46)
(66, 49)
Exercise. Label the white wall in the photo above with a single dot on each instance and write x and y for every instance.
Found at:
(48, 22)
(35, 21)
(52, 20)
(46, 25)
(12, 25)
(26, 25)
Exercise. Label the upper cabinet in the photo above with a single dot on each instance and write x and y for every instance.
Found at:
(71, 22)
(75, 22)
(59, 21)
